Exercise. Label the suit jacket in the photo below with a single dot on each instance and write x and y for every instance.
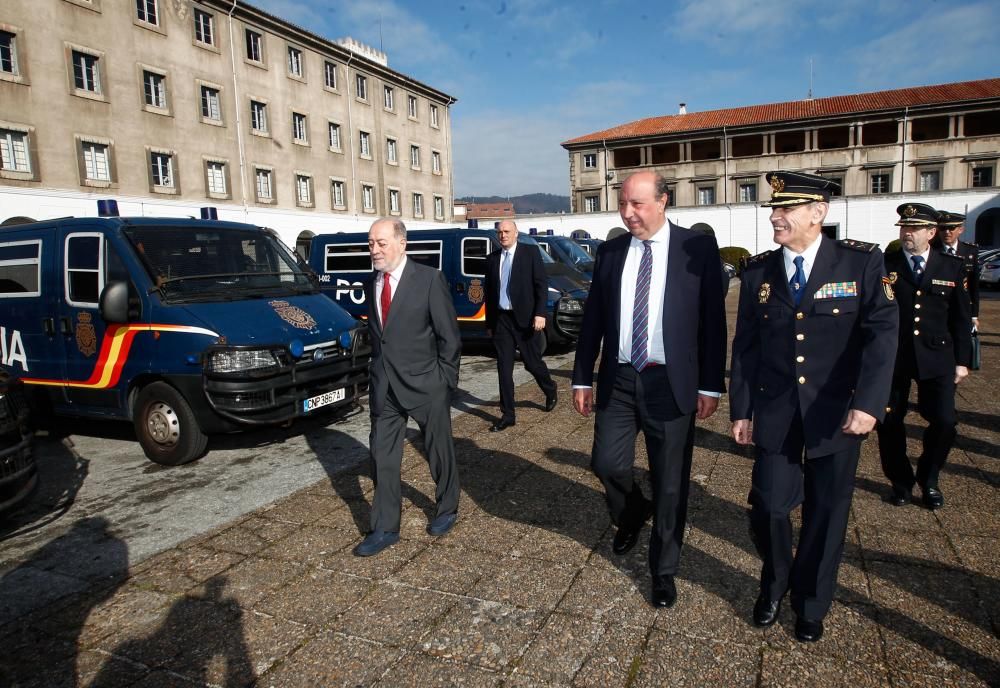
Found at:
(418, 349)
(527, 289)
(694, 318)
(969, 253)
(941, 339)
(832, 354)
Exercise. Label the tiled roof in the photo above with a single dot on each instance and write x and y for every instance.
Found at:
(797, 110)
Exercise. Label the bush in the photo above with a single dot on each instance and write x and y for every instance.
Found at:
(892, 246)
(734, 255)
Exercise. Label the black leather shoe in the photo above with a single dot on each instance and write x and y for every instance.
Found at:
(625, 540)
(550, 402)
(933, 499)
(900, 496)
(502, 424)
(765, 611)
(664, 591)
(807, 631)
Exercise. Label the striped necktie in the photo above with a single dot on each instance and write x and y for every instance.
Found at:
(640, 309)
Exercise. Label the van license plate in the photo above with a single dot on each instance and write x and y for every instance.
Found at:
(323, 399)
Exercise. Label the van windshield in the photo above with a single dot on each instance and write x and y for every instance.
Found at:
(576, 254)
(188, 264)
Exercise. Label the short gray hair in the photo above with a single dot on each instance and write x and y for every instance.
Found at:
(398, 228)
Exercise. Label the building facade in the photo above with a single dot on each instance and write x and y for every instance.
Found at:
(901, 144)
(217, 103)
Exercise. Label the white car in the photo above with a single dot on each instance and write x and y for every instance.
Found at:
(990, 274)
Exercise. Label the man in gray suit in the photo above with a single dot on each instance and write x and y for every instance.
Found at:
(416, 350)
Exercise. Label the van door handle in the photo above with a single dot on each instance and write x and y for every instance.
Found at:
(49, 326)
(64, 326)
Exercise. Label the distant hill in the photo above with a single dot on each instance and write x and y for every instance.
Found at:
(539, 203)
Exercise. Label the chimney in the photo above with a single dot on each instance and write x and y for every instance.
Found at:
(682, 110)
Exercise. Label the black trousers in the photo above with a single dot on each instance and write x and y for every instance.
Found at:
(824, 487)
(385, 441)
(644, 401)
(508, 337)
(936, 403)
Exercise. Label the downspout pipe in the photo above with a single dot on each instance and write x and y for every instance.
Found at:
(239, 126)
(902, 170)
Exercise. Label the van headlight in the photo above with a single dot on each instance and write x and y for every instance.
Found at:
(230, 361)
(570, 306)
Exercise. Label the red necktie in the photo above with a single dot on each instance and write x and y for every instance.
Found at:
(386, 297)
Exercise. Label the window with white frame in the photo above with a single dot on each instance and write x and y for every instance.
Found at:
(330, 75)
(390, 150)
(303, 189)
(591, 204)
(982, 176)
(747, 191)
(254, 46)
(590, 161)
(438, 208)
(211, 108)
(394, 201)
(411, 106)
(337, 194)
(258, 116)
(265, 188)
(364, 144)
(215, 173)
(388, 97)
(294, 62)
(300, 133)
(145, 11)
(154, 89)
(418, 205)
(86, 72)
(333, 133)
(435, 162)
(8, 53)
(161, 169)
(881, 181)
(930, 180)
(204, 27)
(706, 195)
(361, 86)
(368, 198)
(414, 156)
(14, 151)
(96, 161)
(434, 116)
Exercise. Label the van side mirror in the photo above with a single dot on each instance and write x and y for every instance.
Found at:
(114, 302)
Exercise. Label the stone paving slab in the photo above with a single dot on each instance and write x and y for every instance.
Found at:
(525, 590)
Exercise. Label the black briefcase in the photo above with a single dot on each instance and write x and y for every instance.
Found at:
(976, 360)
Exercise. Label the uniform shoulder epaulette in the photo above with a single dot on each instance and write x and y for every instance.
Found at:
(858, 245)
(752, 260)
(953, 257)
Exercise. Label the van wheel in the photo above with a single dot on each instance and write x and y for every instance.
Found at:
(166, 426)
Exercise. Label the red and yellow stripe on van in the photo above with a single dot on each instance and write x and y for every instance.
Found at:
(114, 353)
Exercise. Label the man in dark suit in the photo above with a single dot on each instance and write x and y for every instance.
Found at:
(656, 304)
(949, 230)
(516, 289)
(416, 350)
(935, 349)
(812, 360)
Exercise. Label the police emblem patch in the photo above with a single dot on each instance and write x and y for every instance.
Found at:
(86, 337)
(293, 315)
(909, 211)
(777, 184)
(476, 292)
(893, 276)
(887, 287)
(764, 294)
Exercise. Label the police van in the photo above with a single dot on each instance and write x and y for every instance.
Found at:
(342, 263)
(566, 251)
(185, 327)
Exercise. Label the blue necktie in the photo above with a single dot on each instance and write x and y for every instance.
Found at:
(505, 282)
(918, 266)
(640, 309)
(798, 281)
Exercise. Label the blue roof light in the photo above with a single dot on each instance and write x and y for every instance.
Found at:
(107, 207)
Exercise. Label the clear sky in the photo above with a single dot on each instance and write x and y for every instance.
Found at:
(529, 74)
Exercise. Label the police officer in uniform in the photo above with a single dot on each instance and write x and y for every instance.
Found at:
(935, 348)
(950, 228)
(816, 333)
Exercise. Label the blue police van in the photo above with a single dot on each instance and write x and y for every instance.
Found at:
(566, 251)
(342, 263)
(185, 327)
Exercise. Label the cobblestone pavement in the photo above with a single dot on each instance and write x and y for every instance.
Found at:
(525, 590)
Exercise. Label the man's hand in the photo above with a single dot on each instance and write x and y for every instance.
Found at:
(706, 406)
(742, 431)
(538, 323)
(975, 323)
(858, 423)
(583, 400)
(961, 372)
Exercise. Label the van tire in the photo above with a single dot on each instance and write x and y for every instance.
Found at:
(166, 427)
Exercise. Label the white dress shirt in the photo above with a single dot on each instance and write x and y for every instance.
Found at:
(504, 288)
(925, 255)
(809, 256)
(660, 243)
(393, 285)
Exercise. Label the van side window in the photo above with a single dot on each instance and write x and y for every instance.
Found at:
(84, 276)
(19, 268)
(425, 252)
(474, 256)
(347, 258)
